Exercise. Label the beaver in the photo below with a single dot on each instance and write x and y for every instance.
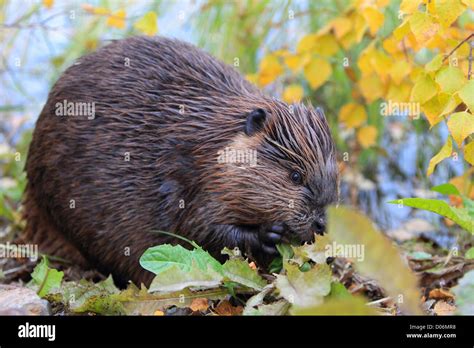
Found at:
(177, 141)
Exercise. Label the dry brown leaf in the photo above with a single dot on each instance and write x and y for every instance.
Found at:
(252, 265)
(444, 308)
(159, 313)
(225, 308)
(199, 304)
(440, 294)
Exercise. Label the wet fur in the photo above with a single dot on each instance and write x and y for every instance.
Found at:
(173, 159)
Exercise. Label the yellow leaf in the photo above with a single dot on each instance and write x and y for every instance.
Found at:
(253, 78)
(326, 45)
(307, 43)
(461, 125)
(399, 71)
(374, 18)
(341, 26)
(445, 152)
(424, 89)
(435, 64)
(101, 11)
(270, 69)
(367, 136)
(48, 3)
(365, 60)
(352, 115)
(117, 19)
(399, 93)
(317, 72)
(293, 93)
(360, 26)
(409, 6)
(448, 11)
(467, 95)
(423, 26)
(380, 62)
(371, 87)
(297, 61)
(469, 153)
(438, 106)
(450, 79)
(147, 24)
(402, 30)
(348, 40)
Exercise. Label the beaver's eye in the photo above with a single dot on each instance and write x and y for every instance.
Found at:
(296, 177)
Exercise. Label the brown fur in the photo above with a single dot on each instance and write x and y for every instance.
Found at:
(173, 159)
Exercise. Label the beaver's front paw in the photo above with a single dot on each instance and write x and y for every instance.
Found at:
(270, 236)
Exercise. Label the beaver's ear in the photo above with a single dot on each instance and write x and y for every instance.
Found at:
(255, 121)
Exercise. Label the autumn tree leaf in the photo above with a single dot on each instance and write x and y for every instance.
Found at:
(461, 125)
(448, 11)
(270, 69)
(467, 95)
(348, 227)
(424, 89)
(450, 79)
(293, 93)
(117, 19)
(367, 136)
(469, 153)
(147, 24)
(374, 19)
(317, 72)
(352, 115)
(445, 152)
(304, 289)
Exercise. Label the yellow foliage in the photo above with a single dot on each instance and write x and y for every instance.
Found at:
(147, 24)
(469, 153)
(450, 79)
(445, 152)
(352, 115)
(48, 3)
(270, 69)
(317, 72)
(307, 43)
(399, 70)
(461, 125)
(467, 95)
(448, 11)
(435, 64)
(409, 6)
(423, 27)
(117, 19)
(341, 26)
(371, 87)
(424, 89)
(293, 93)
(374, 18)
(367, 136)
(296, 62)
(326, 45)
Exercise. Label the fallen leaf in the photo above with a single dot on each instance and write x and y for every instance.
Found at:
(444, 308)
(199, 304)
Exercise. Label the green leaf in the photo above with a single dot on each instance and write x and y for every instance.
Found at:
(85, 296)
(469, 254)
(304, 289)
(464, 293)
(240, 272)
(339, 291)
(351, 229)
(194, 276)
(352, 305)
(446, 189)
(45, 279)
(161, 258)
(440, 207)
(315, 252)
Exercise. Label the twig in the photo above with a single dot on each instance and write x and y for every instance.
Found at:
(455, 48)
(382, 300)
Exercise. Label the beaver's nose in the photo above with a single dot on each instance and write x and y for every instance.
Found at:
(319, 225)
